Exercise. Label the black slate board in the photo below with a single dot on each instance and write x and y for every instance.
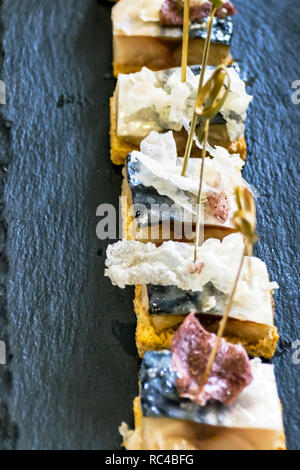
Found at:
(72, 369)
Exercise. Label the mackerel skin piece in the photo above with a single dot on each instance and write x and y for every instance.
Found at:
(222, 30)
(159, 396)
(147, 196)
(174, 301)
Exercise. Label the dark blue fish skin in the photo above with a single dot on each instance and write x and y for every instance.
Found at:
(174, 301)
(159, 397)
(147, 197)
(222, 30)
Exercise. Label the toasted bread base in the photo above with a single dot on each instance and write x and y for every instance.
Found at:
(131, 53)
(258, 339)
(133, 440)
(120, 147)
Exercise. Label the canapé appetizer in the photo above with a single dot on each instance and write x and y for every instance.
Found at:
(159, 101)
(236, 408)
(159, 204)
(169, 286)
(149, 33)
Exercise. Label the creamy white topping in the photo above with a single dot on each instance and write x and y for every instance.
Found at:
(258, 405)
(159, 100)
(150, 10)
(132, 262)
(139, 17)
(160, 168)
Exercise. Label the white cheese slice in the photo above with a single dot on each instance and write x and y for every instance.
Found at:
(140, 18)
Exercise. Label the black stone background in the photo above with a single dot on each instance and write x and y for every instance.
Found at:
(72, 364)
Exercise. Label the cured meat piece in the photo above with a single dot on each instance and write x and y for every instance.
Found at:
(230, 372)
(196, 268)
(219, 205)
(169, 14)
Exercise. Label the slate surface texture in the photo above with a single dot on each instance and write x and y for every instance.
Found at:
(72, 365)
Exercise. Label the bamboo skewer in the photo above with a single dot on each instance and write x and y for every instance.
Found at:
(209, 101)
(200, 191)
(185, 39)
(189, 144)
